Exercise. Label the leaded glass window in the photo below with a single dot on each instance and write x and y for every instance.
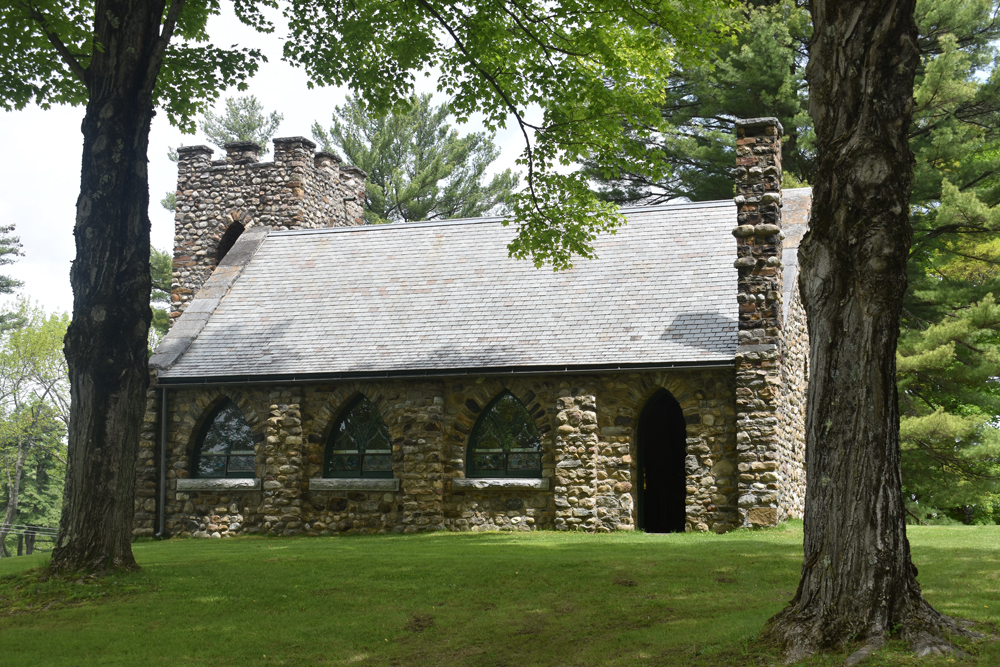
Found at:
(225, 446)
(504, 441)
(359, 444)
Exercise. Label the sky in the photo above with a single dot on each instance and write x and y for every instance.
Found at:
(40, 173)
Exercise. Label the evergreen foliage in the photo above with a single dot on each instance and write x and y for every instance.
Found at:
(161, 264)
(169, 201)
(244, 120)
(760, 74)
(949, 397)
(948, 359)
(10, 250)
(949, 413)
(418, 167)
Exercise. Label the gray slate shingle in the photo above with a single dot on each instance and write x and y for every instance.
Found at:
(438, 296)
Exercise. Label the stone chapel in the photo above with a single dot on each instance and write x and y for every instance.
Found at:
(323, 376)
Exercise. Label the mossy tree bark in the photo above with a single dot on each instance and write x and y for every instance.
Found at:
(858, 581)
(106, 342)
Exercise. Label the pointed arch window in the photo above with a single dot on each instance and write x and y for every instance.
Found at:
(505, 441)
(359, 444)
(225, 444)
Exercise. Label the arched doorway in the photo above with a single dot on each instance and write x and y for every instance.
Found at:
(662, 447)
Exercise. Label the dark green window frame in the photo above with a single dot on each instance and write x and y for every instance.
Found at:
(225, 445)
(505, 441)
(359, 444)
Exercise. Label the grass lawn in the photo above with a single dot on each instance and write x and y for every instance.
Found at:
(490, 599)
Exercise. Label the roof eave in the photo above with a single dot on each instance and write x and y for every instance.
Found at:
(306, 378)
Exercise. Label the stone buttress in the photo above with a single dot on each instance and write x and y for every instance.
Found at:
(759, 293)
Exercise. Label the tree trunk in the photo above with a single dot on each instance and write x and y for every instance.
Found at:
(14, 490)
(858, 582)
(106, 342)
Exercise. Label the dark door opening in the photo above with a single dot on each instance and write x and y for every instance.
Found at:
(662, 448)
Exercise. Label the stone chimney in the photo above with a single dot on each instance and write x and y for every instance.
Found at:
(218, 200)
(759, 294)
(758, 234)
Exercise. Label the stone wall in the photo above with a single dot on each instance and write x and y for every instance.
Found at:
(794, 382)
(148, 465)
(588, 432)
(298, 190)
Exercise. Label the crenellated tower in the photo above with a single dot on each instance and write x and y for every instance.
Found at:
(218, 199)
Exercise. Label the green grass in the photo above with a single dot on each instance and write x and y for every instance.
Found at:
(457, 599)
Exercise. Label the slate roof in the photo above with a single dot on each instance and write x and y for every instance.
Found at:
(441, 296)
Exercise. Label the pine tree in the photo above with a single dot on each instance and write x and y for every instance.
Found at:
(760, 74)
(947, 460)
(243, 120)
(161, 270)
(949, 347)
(418, 167)
(10, 250)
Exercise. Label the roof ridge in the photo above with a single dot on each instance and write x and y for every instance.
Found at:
(483, 220)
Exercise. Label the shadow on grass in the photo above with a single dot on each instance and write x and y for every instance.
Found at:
(35, 590)
(447, 599)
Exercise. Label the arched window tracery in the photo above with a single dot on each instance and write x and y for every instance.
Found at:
(504, 441)
(225, 444)
(359, 444)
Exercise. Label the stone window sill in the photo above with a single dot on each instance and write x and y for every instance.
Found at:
(508, 483)
(219, 484)
(353, 484)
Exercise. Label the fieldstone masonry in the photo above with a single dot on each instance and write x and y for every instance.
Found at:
(280, 513)
(217, 200)
(147, 465)
(587, 422)
(792, 436)
(765, 492)
(744, 426)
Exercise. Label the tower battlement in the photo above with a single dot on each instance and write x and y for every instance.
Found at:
(218, 199)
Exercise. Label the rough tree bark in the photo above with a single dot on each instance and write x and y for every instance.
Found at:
(858, 582)
(106, 343)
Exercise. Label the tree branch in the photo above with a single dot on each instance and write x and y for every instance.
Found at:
(160, 47)
(67, 56)
(491, 80)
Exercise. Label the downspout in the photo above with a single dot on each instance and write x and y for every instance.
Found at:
(163, 465)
